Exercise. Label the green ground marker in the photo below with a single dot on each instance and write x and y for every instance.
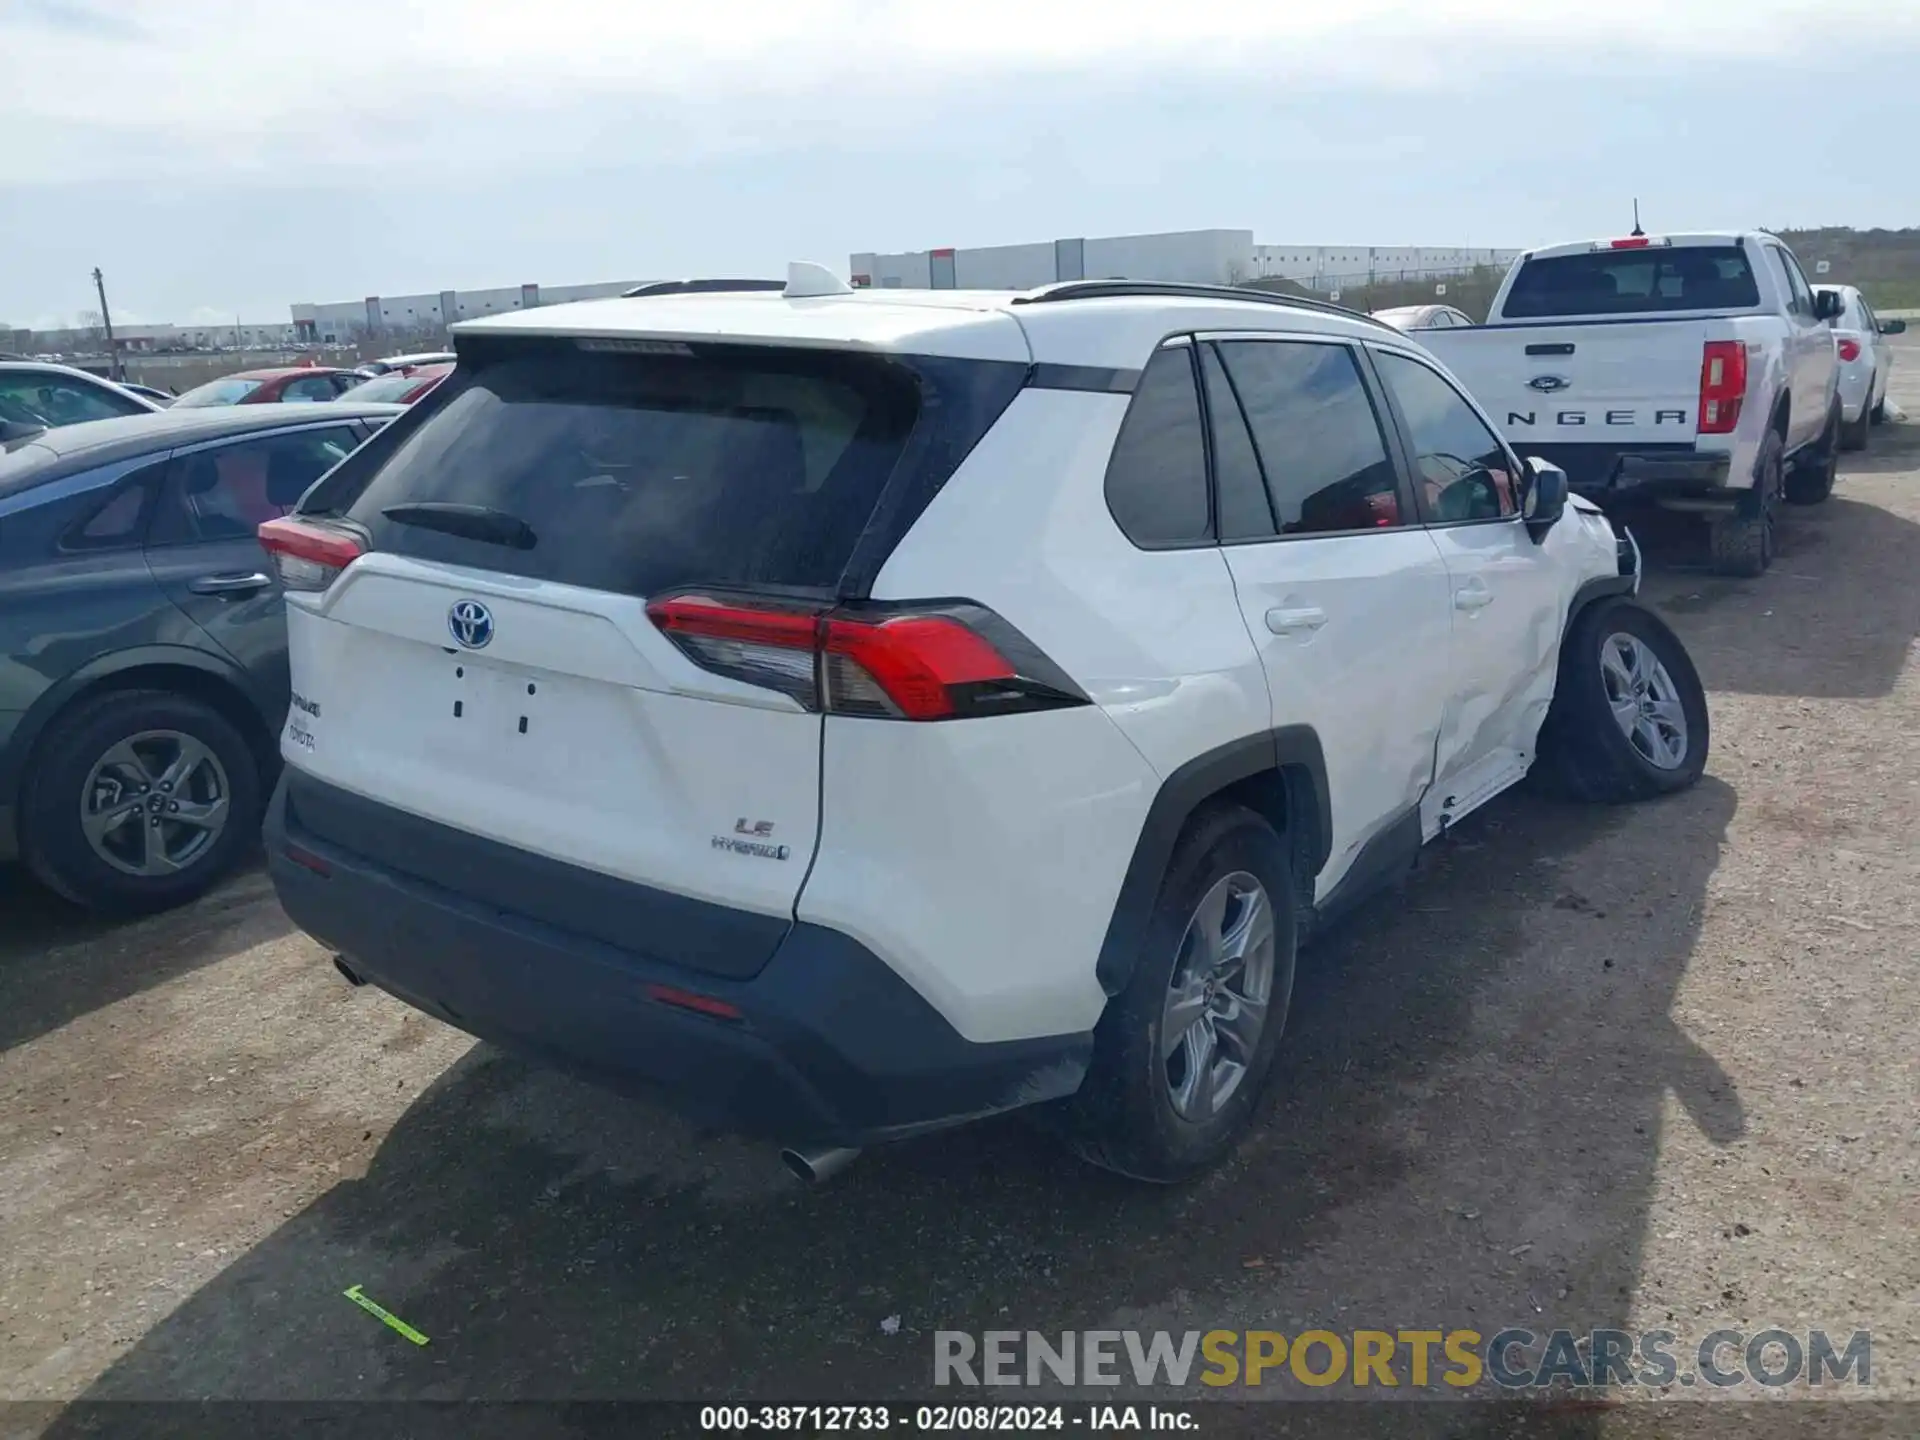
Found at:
(385, 1317)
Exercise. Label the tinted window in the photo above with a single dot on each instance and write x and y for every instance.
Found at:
(1157, 478)
(226, 493)
(641, 473)
(216, 392)
(307, 389)
(1462, 467)
(1241, 492)
(1318, 439)
(1628, 282)
(117, 520)
(38, 399)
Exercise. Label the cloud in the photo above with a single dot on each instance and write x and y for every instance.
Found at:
(235, 86)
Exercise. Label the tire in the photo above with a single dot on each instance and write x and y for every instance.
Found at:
(1742, 543)
(74, 770)
(1126, 1116)
(1810, 480)
(1585, 751)
(1853, 435)
(1879, 413)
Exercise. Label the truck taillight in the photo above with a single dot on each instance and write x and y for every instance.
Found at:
(1849, 350)
(1723, 385)
(938, 662)
(309, 554)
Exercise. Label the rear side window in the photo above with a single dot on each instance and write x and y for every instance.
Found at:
(1318, 438)
(117, 521)
(1157, 477)
(1633, 282)
(640, 473)
(228, 492)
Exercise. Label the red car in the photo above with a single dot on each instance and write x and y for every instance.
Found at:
(290, 384)
(403, 386)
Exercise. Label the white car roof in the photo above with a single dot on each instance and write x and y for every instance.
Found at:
(1120, 329)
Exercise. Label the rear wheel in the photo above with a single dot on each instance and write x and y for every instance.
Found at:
(140, 801)
(1629, 715)
(1183, 1052)
(1879, 412)
(1742, 543)
(1811, 478)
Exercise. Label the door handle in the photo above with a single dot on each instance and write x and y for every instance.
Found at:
(1283, 621)
(1473, 597)
(244, 583)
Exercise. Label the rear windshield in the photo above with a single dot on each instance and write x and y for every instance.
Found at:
(1633, 282)
(216, 392)
(639, 473)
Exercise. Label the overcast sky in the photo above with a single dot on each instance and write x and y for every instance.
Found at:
(231, 156)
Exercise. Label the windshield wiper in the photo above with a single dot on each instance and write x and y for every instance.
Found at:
(469, 522)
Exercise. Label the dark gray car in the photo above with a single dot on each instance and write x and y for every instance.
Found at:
(143, 651)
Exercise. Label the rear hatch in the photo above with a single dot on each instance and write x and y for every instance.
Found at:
(489, 662)
(1603, 347)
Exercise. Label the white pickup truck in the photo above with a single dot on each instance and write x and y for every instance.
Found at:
(1697, 372)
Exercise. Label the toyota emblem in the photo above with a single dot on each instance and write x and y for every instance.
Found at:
(471, 623)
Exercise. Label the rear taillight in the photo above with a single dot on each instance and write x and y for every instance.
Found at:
(1849, 349)
(937, 662)
(310, 554)
(1723, 385)
(1632, 242)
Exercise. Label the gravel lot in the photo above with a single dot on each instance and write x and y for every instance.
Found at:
(1647, 1068)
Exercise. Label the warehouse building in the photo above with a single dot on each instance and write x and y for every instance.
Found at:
(352, 320)
(1212, 257)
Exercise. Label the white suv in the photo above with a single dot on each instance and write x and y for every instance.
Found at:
(858, 713)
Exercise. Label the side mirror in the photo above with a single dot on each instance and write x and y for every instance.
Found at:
(1827, 305)
(1893, 327)
(1546, 497)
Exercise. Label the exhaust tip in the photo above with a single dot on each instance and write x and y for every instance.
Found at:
(816, 1167)
(351, 976)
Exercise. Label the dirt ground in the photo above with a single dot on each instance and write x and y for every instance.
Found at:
(1649, 1068)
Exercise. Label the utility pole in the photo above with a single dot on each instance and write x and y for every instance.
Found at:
(106, 319)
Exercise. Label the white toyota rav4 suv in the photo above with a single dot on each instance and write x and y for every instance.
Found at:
(858, 713)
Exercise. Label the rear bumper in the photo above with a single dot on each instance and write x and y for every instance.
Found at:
(1605, 473)
(832, 1047)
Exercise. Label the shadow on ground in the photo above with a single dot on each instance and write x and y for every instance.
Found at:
(1834, 618)
(1488, 1056)
(58, 962)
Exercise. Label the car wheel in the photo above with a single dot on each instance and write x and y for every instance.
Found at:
(1742, 543)
(140, 801)
(1182, 1053)
(1629, 714)
(1810, 481)
(1879, 413)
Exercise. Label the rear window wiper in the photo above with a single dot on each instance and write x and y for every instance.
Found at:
(469, 522)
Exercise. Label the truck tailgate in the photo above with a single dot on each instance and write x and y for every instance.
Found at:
(1611, 382)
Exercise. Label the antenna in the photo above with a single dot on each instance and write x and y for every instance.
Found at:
(804, 279)
(1636, 217)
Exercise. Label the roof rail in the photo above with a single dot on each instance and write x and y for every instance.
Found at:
(1103, 289)
(699, 287)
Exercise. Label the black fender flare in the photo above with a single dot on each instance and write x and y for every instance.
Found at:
(1185, 791)
(106, 668)
(1601, 587)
